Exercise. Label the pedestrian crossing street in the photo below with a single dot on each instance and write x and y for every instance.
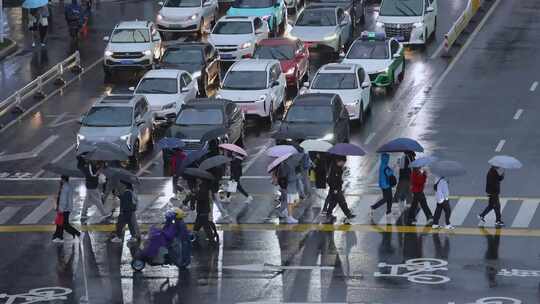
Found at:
(516, 212)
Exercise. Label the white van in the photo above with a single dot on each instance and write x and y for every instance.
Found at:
(410, 21)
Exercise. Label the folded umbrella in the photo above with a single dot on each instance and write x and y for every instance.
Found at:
(214, 161)
(280, 150)
(505, 162)
(121, 175)
(312, 145)
(347, 150)
(401, 145)
(34, 3)
(423, 161)
(199, 173)
(277, 162)
(60, 170)
(171, 143)
(447, 168)
(234, 148)
(213, 134)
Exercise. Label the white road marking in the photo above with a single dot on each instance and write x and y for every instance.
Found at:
(438, 51)
(525, 214)
(464, 48)
(256, 156)
(500, 145)
(7, 213)
(41, 211)
(150, 163)
(369, 138)
(518, 114)
(57, 159)
(31, 154)
(460, 211)
(534, 85)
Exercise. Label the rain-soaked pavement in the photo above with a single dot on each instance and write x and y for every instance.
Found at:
(482, 103)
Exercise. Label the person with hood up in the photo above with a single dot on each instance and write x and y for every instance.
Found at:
(418, 181)
(493, 188)
(335, 194)
(387, 181)
(64, 207)
(442, 194)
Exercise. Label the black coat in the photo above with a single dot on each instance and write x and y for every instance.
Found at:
(236, 168)
(335, 177)
(493, 182)
(321, 169)
(203, 198)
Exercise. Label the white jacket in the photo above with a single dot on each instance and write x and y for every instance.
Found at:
(443, 193)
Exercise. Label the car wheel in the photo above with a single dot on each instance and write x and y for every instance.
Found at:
(270, 118)
(138, 265)
(134, 159)
(401, 75)
(361, 114)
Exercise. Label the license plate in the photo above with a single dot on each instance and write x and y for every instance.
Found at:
(226, 56)
(126, 61)
(247, 108)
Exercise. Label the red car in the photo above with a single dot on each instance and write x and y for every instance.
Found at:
(292, 55)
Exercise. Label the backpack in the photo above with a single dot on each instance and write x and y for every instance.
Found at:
(392, 180)
(436, 184)
(73, 14)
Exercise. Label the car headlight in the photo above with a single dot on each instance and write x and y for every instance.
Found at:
(290, 71)
(169, 106)
(328, 137)
(331, 37)
(127, 139)
(245, 45)
(159, 17)
(196, 74)
(262, 98)
(108, 53)
(218, 96)
(418, 24)
(379, 24)
(147, 53)
(80, 138)
(193, 17)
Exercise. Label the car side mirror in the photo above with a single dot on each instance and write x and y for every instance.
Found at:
(396, 55)
(366, 84)
(275, 83)
(160, 3)
(276, 5)
(106, 38)
(306, 84)
(430, 9)
(132, 89)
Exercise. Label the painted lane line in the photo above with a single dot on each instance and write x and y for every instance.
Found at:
(518, 114)
(57, 159)
(500, 145)
(438, 51)
(525, 214)
(460, 211)
(31, 154)
(40, 212)
(534, 86)
(466, 46)
(369, 138)
(7, 213)
(256, 156)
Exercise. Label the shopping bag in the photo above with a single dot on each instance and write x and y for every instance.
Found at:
(59, 219)
(231, 187)
(312, 176)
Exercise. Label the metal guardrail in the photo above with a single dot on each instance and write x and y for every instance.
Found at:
(35, 88)
(461, 23)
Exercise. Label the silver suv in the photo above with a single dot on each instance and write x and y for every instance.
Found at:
(124, 120)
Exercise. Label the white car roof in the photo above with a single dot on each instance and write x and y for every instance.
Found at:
(136, 24)
(253, 64)
(163, 73)
(237, 18)
(338, 68)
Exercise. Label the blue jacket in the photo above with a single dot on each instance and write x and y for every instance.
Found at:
(385, 171)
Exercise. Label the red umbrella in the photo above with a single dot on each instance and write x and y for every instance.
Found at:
(234, 148)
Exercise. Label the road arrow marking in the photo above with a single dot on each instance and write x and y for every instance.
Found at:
(272, 268)
(32, 154)
(57, 122)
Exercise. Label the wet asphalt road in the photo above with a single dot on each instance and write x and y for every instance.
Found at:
(463, 111)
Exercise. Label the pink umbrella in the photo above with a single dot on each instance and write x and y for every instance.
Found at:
(280, 150)
(234, 148)
(278, 161)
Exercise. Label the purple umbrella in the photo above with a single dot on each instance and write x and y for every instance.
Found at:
(280, 150)
(277, 162)
(347, 150)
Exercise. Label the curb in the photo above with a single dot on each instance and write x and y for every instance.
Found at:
(10, 49)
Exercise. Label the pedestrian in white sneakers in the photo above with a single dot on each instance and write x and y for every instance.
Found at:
(443, 203)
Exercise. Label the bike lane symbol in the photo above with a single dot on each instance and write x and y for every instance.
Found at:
(45, 294)
(419, 271)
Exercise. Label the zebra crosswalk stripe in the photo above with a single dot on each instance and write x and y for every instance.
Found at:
(460, 211)
(526, 213)
(490, 217)
(7, 213)
(41, 211)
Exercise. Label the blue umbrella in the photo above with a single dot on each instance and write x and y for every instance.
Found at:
(34, 3)
(447, 168)
(401, 145)
(423, 161)
(347, 149)
(171, 143)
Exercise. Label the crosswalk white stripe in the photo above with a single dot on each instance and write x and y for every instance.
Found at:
(490, 218)
(432, 204)
(397, 211)
(362, 207)
(525, 214)
(7, 213)
(460, 211)
(41, 211)
(159, 202)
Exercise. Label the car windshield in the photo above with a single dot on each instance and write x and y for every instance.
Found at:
(108, 117)
(157, 86)
(278, 52)
(401, 8)
(245, 80)
(130, 36)
(317, 17)
(177, 56)
(193, 116)
(369, 50)
(309, 114)
(334, 81)
(182, 3)
(233, 28)
(252, 3)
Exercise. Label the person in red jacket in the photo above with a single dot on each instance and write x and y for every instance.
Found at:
(176, 164)
(418, 181)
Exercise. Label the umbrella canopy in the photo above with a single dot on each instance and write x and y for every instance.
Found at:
(347, 149)
(401, 145)
(198, 173)
(213, 134)
(63, 171)
(294, 160)
(288, 135)
(505, 162)
(277, 162)
(423, 161)
(447, 168)
(171, 143)
(312, 145)
(121, 175)
(214, 161)
(193, 157)
(280, 150)
(34, 3)
(233, 148)
(107, 155)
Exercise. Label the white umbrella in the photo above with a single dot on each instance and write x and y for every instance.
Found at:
(505, 162)
(312, 145)
(423, 161)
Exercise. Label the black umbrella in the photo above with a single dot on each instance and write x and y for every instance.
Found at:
(193, 157)
(107, 155)
(63, 171)
(121, 175)
(214, 161)
(401, 145)
(288, 135)
(294, 160)
(213, 134)
(198, 173)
